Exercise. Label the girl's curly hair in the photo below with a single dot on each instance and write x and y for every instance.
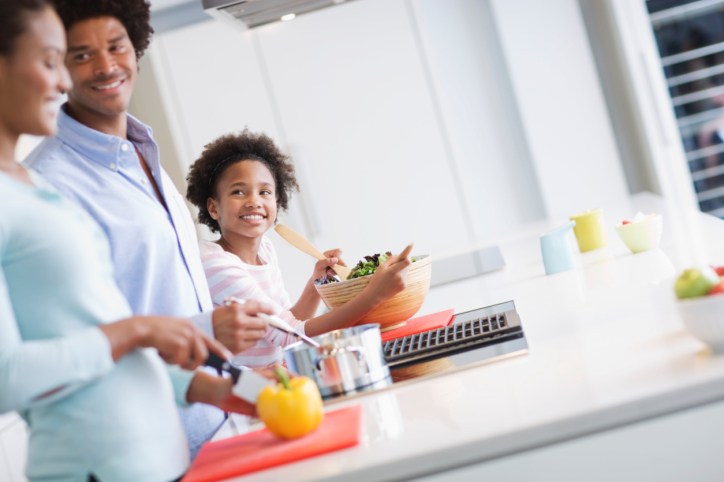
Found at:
(226, 151)
(135, 15)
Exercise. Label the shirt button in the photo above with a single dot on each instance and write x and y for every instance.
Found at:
(124, 147)
(112, 165)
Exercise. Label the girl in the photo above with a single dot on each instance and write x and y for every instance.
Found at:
(238, 184)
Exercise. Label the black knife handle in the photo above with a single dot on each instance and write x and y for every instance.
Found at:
(221, 365)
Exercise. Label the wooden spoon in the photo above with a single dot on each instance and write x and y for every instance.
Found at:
(301, 243)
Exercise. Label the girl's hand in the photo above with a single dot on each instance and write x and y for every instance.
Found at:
(322, 266)
(390, 277)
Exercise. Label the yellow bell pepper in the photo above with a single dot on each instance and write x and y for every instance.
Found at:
(291, 408)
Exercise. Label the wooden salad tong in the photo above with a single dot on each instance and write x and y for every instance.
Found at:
(301, 243)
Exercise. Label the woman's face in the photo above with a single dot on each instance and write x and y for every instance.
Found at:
(33, 77)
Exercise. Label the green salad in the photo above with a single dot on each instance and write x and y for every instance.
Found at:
(368, 265)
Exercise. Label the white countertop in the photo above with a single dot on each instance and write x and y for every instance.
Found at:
(606, 348)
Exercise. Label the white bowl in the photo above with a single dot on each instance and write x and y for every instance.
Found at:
(641, 235)
(704, 318)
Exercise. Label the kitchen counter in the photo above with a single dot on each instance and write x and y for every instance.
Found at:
(607, 351)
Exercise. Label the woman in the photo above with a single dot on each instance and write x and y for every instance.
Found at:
(83, 373)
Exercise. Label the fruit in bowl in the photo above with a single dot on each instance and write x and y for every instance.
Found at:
(391, 313)
(641, 233)
(700, 291)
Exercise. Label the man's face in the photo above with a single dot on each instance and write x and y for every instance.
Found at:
(103, 67)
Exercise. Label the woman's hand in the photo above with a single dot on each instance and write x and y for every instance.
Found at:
(180, 342)
(216, 391)
(177, 340)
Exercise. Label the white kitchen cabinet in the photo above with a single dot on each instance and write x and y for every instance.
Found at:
(442, 123)
(350, 104)
(404, 105)
(560, 99)
(681, 446)
(211, 83)
(353, 96)
(477, 113)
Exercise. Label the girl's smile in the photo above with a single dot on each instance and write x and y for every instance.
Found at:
(244, 205)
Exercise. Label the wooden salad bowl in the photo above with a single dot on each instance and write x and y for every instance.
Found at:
(392, 313)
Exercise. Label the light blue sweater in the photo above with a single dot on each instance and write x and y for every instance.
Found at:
(115, 420)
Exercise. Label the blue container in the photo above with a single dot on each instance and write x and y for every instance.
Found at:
(556, 249)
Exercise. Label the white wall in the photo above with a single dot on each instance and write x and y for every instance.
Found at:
(444, 123)
(25, 146)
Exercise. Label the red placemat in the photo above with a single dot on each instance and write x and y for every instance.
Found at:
(420, 324)
(261, 450)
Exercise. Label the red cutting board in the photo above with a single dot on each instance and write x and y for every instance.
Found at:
(420, 324)
(261, 450)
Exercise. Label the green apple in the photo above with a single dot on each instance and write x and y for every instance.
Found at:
(695, 282)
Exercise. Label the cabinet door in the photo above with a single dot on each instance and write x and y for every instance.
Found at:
(345, 91)
(354, 97)
(212, 84)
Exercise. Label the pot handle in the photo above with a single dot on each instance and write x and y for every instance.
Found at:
(358, 352)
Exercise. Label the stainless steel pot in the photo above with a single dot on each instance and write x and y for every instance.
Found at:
(346, 361)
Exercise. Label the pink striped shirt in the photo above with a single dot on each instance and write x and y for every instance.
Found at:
(230, 276)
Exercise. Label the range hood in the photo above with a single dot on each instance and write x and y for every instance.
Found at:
(253, 13)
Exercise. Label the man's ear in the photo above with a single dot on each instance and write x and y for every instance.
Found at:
(212, 208)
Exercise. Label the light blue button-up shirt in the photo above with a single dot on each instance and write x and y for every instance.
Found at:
(86, 413)
(154, 249)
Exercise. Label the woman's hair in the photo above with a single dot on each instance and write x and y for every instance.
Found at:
(14, 20)
(226, 151)
(135, 15)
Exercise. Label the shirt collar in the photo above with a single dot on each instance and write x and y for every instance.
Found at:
(107, 150)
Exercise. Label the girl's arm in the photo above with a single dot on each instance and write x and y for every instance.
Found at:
(388, 280)
(306, 306)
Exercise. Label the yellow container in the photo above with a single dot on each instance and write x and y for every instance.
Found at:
(589, 230)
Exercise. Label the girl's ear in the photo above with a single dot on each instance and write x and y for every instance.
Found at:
(212, 208)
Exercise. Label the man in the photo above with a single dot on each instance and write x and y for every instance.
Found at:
(108, 162)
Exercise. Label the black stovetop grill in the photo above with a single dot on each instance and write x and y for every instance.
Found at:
(495, 327)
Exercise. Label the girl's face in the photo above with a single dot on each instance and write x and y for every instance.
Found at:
(33, 77)
(245, 204)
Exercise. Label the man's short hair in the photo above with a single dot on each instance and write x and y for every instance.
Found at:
(135, 15)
